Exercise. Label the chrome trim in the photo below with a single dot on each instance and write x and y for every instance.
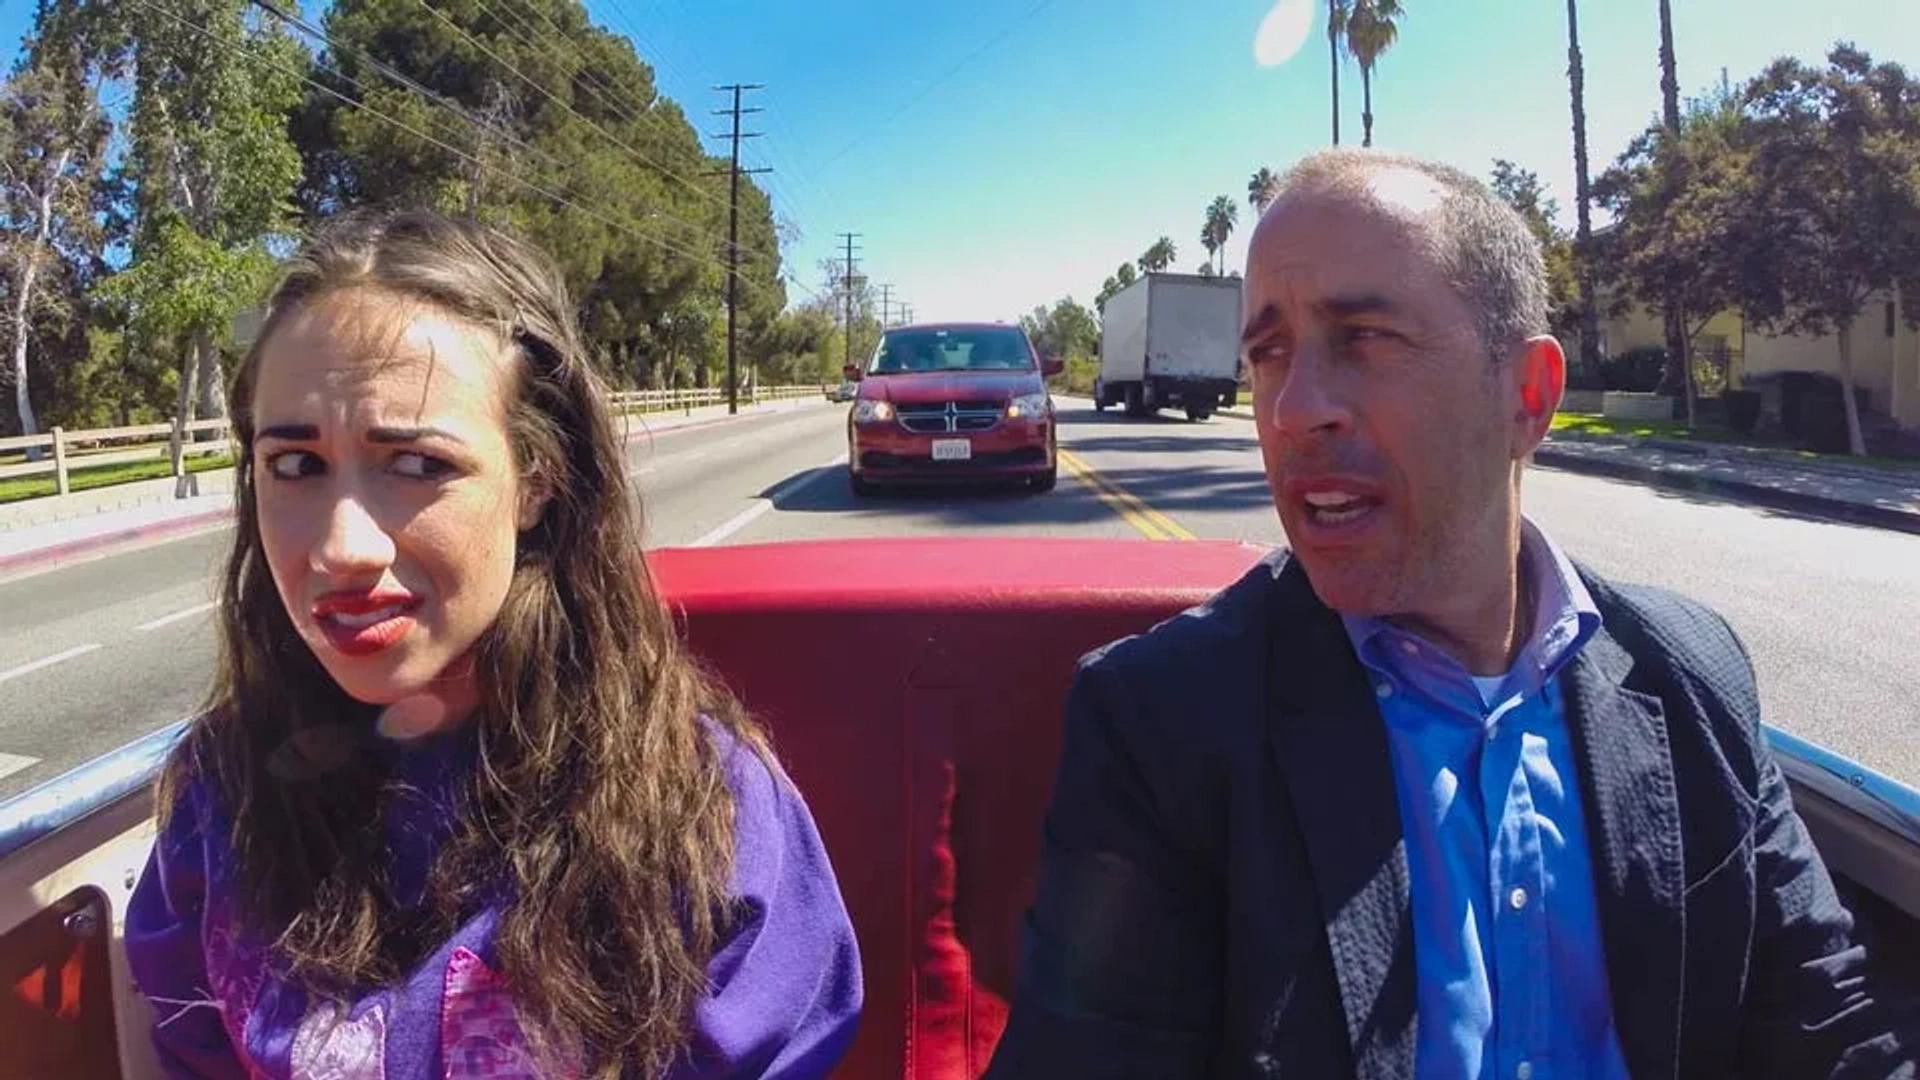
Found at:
(1880, 799)
(41, 811)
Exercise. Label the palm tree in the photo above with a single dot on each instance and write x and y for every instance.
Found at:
(1583, 197)
(1262, 189)
(1371, 31)
(1679, 373)
(1222, 214)
(1158, 257)
(1338, 11)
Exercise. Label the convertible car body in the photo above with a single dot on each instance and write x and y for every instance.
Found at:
(917, 703)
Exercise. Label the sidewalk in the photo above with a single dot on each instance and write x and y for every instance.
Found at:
(1835, 490)
(37, 531)
(1825, 488)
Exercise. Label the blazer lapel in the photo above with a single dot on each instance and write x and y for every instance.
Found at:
(1627, 784)
(1330, 745)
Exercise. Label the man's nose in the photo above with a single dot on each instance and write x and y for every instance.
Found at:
(1308, 401)
(353, 540)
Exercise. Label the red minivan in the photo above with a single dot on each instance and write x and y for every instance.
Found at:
(952, 401)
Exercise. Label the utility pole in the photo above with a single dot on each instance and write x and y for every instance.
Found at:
(847, 281)
(733, 233)
(886, 302)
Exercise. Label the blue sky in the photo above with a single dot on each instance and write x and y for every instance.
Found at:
(999, 154)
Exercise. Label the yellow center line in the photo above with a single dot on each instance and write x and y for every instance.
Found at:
(1151, 523)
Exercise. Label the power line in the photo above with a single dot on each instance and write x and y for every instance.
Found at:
(733, 233)
(943, 77)
(417, 133)
(461, 112)
(637, 155)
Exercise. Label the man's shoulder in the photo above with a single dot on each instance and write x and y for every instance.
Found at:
(1216, 636)
(1680, 636)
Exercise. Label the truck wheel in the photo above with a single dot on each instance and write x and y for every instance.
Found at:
(1197, 413)
(1136, 403)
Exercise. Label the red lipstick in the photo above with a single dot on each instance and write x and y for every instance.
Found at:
(361, 622)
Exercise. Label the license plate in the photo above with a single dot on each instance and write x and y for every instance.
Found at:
(952, 449)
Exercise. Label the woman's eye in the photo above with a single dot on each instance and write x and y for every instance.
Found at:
(420, 466)
(292, 464)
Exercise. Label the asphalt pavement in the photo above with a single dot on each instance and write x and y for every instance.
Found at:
(97, 653)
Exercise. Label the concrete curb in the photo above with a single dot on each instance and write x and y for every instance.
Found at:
(188, 523)
(1826, 509)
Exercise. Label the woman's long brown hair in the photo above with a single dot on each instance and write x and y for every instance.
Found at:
(598, 812)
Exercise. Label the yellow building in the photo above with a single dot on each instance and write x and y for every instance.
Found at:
(1886, 352)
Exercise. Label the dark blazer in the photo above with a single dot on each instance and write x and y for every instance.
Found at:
(1224, 886)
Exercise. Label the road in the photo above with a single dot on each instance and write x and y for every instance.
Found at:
(97, 653)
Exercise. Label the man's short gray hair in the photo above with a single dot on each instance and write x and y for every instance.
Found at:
(1483, 246)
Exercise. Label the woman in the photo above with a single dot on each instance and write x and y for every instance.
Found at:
(461, 805)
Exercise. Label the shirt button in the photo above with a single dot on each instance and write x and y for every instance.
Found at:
(1523, 1070)
(1384, 690)
(1518, 898)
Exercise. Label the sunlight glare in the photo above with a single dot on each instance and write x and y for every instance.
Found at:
(1283, 31)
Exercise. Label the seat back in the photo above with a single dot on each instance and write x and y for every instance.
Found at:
(913, 690)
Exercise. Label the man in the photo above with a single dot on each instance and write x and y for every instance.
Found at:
(1423, 797)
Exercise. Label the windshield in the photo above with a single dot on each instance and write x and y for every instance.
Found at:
(941, 349)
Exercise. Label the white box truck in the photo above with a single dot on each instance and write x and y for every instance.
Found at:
(1170, 341)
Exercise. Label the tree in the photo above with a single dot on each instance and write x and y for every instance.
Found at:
(1675, 247)
(1372, 29)
(1158, 257)
(215, 173)
(1833, 219)
(1522, 190)
(1338, 12)
(1066, 330)
(1583, 254)
(1679, 361)
(53, 145)
(1121, 278)
(1222, 214)
(1262, 190)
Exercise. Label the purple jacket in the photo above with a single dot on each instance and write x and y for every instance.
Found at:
(785, 985)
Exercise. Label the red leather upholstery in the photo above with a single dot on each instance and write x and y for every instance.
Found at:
(913, 688)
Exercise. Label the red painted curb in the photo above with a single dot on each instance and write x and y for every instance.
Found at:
(83, 545)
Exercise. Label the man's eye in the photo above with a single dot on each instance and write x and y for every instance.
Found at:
(293, 464)
(1272, 350)
(420, 466)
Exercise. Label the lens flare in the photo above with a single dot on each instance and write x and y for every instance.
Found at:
(1283, 32)
(413, 718)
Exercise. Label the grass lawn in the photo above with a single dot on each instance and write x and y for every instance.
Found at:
(1586, 424)
(16, 488)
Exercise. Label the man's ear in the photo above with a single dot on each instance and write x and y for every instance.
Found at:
(1539, 381)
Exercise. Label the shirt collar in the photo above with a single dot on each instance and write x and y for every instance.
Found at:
(1564, 614)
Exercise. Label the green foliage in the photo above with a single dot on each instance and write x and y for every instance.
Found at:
(185, 283)
(1522, 189)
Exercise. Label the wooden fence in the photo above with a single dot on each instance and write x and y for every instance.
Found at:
(60, 452)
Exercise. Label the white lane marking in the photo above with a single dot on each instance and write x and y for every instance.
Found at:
(47, 661)
(761, 505)
(189, 613)
(13, 763)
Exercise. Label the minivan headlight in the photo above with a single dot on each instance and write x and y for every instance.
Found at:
(871, 410)
(1030, 405)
